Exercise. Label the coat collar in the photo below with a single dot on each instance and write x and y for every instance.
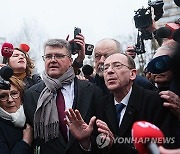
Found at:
(133, 107)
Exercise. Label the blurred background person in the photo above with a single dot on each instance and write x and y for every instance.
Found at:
(102, 49)
(14, 137)
(140, 80)
(161, 65)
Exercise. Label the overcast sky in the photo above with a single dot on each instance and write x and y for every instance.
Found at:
(97, 18)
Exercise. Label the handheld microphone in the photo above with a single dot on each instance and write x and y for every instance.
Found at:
(168, 31)
(164, 32)
(24, 47)
(5, 73)
(146, 136)
(6, 51)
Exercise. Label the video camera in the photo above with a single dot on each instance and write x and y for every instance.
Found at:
(143, 20)
(75, 47)
(5, 73)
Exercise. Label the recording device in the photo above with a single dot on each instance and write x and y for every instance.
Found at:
(146, 136)
(5, 73)
(143, 20)
(170, 31)
(75, 47)
(89, 49)
(6, 51)
(143, 17)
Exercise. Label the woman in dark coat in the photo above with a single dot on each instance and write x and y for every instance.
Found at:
(15, 136)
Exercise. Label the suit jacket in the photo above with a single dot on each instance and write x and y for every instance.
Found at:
(87, 96)
(11, 139)
(143, 105)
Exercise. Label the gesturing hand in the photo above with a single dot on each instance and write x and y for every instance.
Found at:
(106, 133)
(78, 128)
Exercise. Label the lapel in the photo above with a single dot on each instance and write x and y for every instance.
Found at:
(110, 112)
(83, 95)
(133, 108)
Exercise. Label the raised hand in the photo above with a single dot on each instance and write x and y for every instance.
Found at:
(172, 101)
(78, 128)
(106, 133)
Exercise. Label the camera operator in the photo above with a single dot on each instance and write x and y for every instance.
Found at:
(146, 25)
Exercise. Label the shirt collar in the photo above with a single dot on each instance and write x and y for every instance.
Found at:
(125, 100)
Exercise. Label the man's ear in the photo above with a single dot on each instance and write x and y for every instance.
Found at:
(133, 74)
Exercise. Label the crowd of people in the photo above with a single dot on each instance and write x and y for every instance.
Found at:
(59, 112)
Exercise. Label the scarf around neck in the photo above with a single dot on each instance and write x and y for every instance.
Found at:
(18, 118)
(46, 121)
(20, 76)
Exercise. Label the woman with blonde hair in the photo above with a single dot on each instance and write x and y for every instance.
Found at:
(15, 136)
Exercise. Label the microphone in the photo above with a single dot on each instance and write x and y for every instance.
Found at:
(146, 136)
(5, 73)
(6, 51)
(168, 30)
(164, 32)
(24, 47)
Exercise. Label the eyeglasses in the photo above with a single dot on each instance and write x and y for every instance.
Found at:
(55, 56)
(4, 97)
(115, 66)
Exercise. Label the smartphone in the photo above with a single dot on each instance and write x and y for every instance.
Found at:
(76, 32)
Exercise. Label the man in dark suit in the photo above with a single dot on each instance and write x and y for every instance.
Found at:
(139, 103)
(43, 103)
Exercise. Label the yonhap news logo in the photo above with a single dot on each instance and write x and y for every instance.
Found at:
(102, 140)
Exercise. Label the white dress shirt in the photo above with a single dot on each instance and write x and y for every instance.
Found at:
(124, 101)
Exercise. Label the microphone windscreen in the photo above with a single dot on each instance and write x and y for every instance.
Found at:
(177, 2)
(87, 70)
(144, 132)
(6, 72)
(7, 50)
(164, 32)
(24, 47)
(176, 35)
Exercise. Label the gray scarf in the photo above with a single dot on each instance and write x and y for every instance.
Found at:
(46, 122)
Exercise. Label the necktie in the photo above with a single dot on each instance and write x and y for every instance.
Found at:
(61, 108)
(119, 108)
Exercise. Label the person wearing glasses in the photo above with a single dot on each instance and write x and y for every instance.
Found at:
(126, 104)
(23, 66)
(15, 136)
(60, 90)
